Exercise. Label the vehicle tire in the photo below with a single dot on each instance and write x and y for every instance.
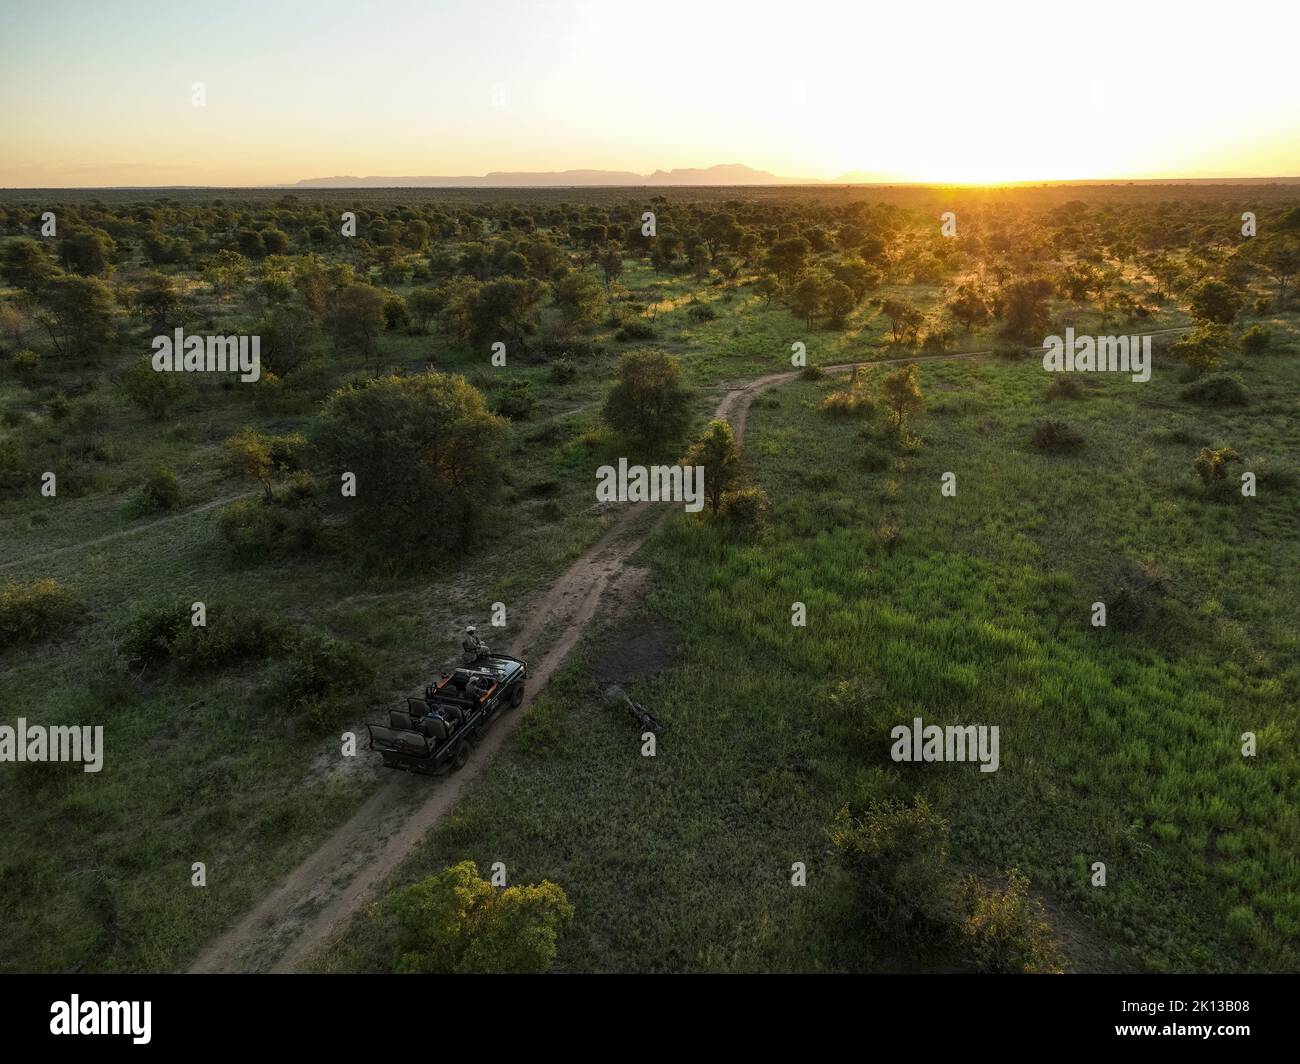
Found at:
(517, 695)
(460, 755)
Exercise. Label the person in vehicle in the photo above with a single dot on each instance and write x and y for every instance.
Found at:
(477, 687)
(472, 647)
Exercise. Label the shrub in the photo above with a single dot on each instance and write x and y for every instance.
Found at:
(1065, 388)
(1006, 930)
(27, 364)
(516, 400)
(1010, 352)
(147, 636)
(316, 666)
(455, 922)
(1132, 593)
(851, 402)
(701, 312)
(33, 611)
(635, 330)
(1203, 348)
(745, 510)
(715, 451)
(812, 373)
(157, 394)
(1056, 437)
(648, 401)
(890, 536)
(259, 529)
(1255, 340)
(161, 491)
(898, 857)
(563, 371)
(163, 630)
(231, 635)
(1218, 389)
(1212, 466)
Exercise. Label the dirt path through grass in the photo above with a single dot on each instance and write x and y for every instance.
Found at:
(289, 924)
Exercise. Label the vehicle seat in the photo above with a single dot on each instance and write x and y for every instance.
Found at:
(434, 728)
(399, 718)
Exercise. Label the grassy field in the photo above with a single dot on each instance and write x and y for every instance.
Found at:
(1117, 746)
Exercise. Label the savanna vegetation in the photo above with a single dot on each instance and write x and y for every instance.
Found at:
(471, 479)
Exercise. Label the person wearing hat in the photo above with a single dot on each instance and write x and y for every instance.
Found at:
(472, 646)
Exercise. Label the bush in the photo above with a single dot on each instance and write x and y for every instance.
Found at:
(147, 636)
(648, 401)
(455, 922)
(1218, 389)
(33, 611)
(812, 373)
(157, 394)
(516, 400)
(160, 492)
(563, 371)
(27, 364)
(1255, 340)
(701, 312)
(1133, 592)
(851, 402)
(163, 630)
(1212, 466)
(260, 528)
(898, 857)
(316, 667)
(1065, 388)
(635, 330)
(230, 636)
(1006, 931)
(1056, 437)
(1010, 352)
(745, 510)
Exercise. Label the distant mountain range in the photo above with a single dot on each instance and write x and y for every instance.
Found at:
(726, 174)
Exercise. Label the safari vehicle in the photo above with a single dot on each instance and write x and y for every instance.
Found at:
(441, 728)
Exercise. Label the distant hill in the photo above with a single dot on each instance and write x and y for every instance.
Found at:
(725, 174)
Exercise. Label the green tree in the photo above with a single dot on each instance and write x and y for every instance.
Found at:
(1025, 307)
(902, 396)
(1214, 302)
(356, 319)
(579, 298)
(87, 251)
(77, 312)
(427, 456)
(648, 401)
(456, 922)
(25, 265)
(716, 451)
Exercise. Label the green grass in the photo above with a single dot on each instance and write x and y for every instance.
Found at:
(1116, 747)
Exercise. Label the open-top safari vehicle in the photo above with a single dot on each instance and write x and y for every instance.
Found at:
(442, 727)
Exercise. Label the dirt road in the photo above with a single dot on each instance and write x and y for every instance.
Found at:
(315, 900)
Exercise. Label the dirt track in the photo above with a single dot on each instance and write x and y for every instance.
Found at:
(295, 919)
